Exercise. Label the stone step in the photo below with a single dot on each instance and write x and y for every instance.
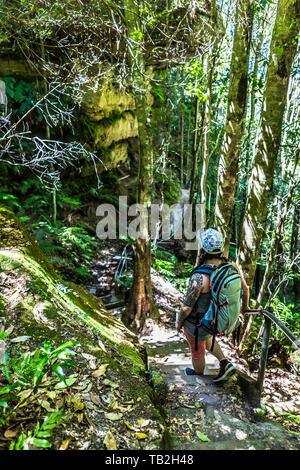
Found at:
(225, 432)
(221, 411)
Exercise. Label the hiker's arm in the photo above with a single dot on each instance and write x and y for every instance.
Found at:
(245, 296)
(192, 295)
(183, 314)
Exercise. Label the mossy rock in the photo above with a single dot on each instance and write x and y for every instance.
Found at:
(37, 302)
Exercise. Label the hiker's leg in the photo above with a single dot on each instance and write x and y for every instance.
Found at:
(226, 368)
(198, 356)
(217, 351)
(199, 365)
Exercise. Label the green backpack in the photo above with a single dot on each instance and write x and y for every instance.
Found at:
(222, 316)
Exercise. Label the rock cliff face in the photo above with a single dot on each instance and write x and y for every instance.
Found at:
(110, 117)
(180, 31)
(106, 117)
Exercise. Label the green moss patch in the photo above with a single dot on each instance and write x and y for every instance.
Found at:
(36, 302)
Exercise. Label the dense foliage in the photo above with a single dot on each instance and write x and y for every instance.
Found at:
(206, 127)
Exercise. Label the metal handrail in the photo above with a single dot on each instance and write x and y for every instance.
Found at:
(269, 318)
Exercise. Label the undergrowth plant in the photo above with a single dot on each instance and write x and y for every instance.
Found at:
(168, 266)
(23, 373)
(38, 437)
(24, 370)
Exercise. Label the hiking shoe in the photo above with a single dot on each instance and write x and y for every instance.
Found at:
(189, 371)
(226, 369)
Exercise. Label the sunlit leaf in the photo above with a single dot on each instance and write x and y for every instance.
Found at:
(113, 416)
(202, 437)
(140, 435)
(110, 441)
(110, 383)
(41, 443)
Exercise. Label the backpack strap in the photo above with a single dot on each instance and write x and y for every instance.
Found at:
(204, 269)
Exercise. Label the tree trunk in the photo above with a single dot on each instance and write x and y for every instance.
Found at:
(141, 294)
(194, 151)
(294, 250)
(249, 137)
(273, 251)
(211, 60)
(282, 53)
(182, 179)
(237, 98)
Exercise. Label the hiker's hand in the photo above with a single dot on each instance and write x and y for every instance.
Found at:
(178, 326)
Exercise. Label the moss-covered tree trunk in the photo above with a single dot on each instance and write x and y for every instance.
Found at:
(294, 250)
(211, 61)
(195, 150)
(141, 294)
(282, 52)
(237, 98)
(250, 131)
(273, 251)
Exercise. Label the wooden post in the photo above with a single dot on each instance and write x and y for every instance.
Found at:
(264, 354)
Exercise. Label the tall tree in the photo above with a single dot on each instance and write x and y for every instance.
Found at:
(273, 249)
(282, 53)
(237, 97)
(141, 295)
(261, 19)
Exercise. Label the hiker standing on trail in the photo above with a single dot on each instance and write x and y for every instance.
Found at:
(201, 303)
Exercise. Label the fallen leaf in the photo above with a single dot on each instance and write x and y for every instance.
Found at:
(52, 395)
(123, 428)
(45, 404)
(78, 404)
(95, 399)
(143, 422)
(25, 393)
(101, 371)
(110, 441)
(93, 365)
(65, 444)
(10, 434)
(202, 437)
(20, 339)
(106, 398)
(113, 416)
(88, 356)
(129, 425)
(102, 345)
(68, 383)
(140, 435)
(10, 330)
(110, 383)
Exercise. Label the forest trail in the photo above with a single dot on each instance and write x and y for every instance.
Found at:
(203, 415)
